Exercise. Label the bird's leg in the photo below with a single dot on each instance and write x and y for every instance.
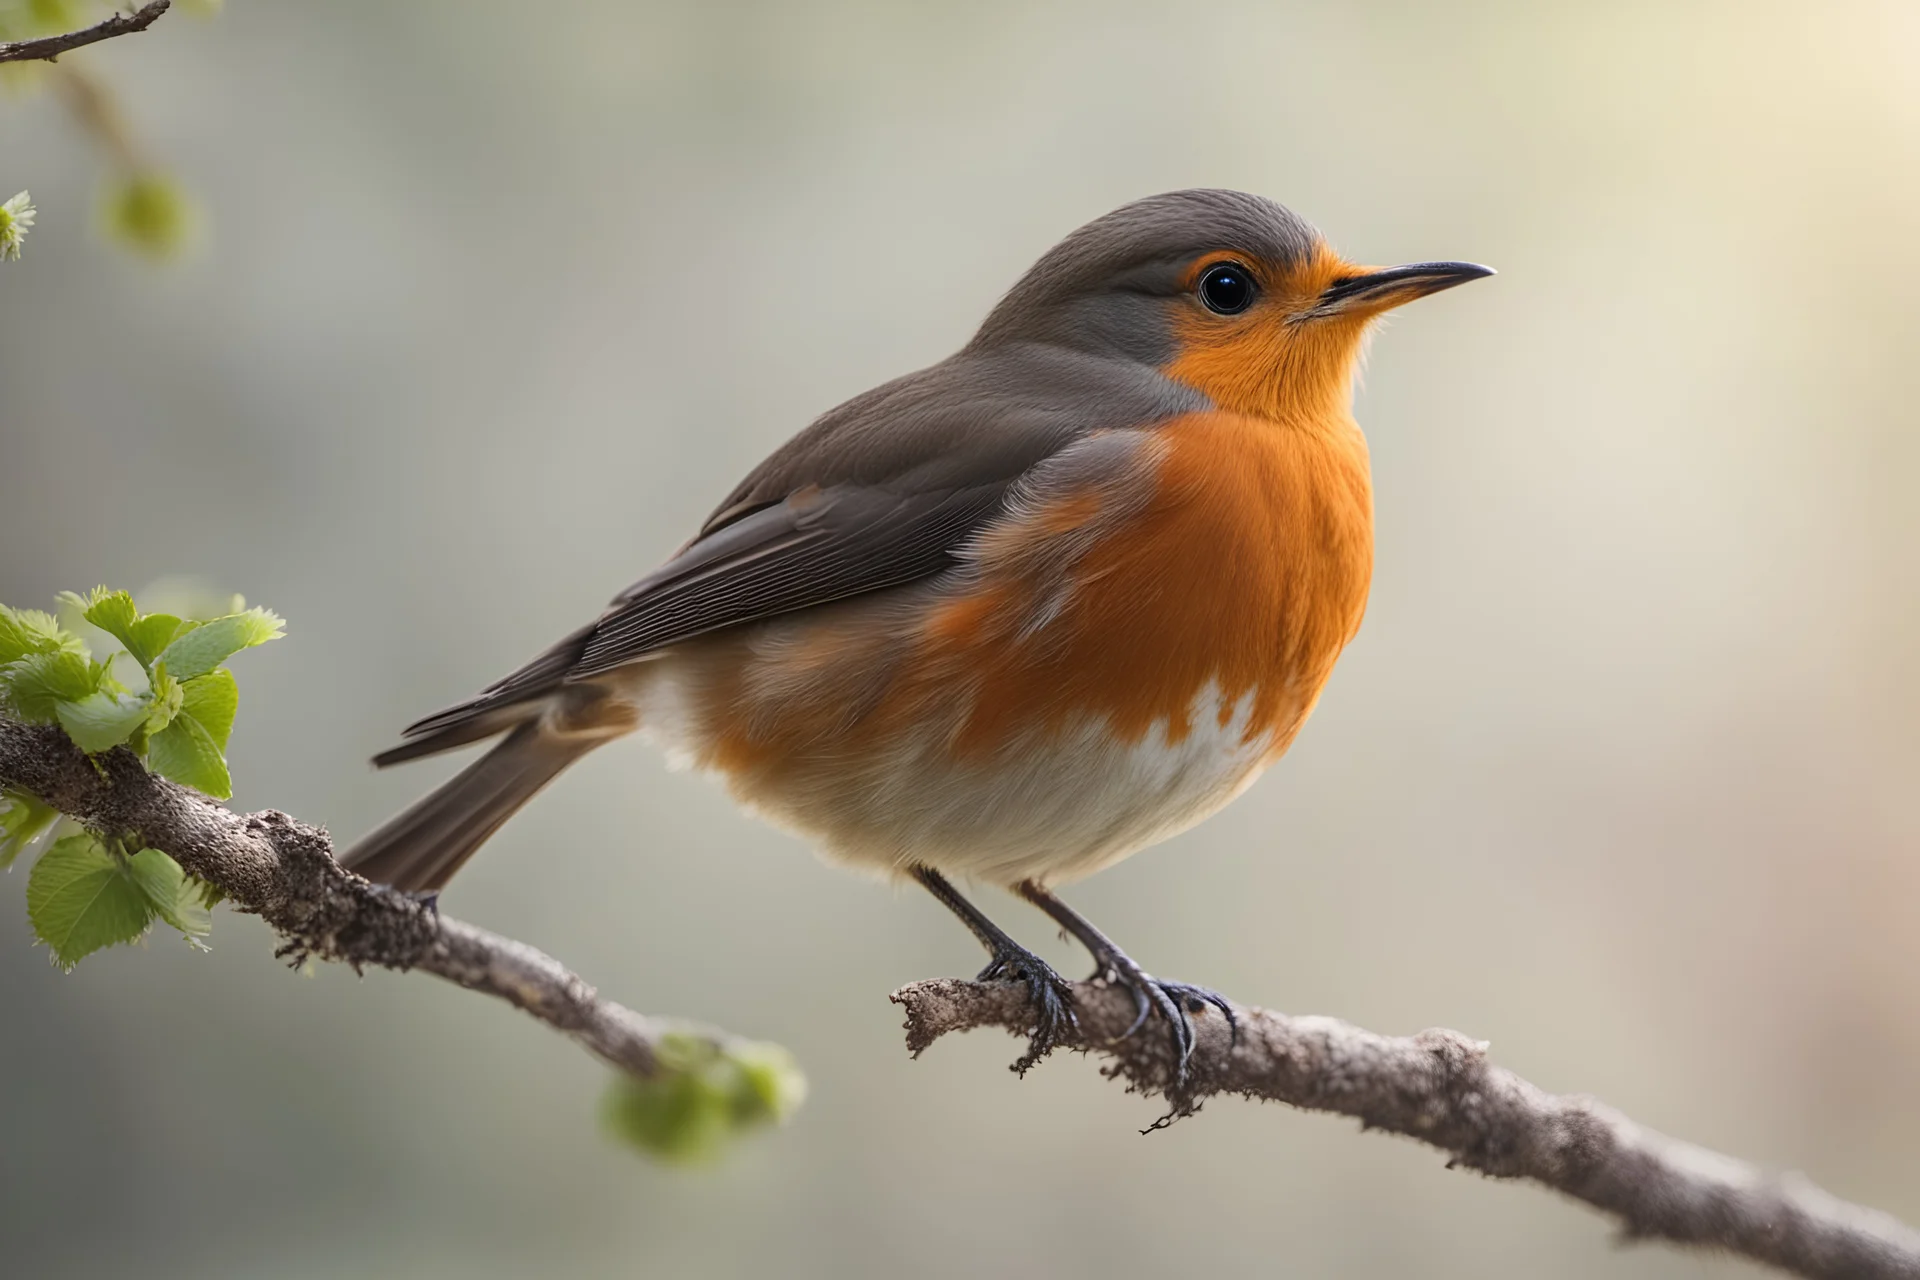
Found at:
(1052, 1008)
(1173, 1000)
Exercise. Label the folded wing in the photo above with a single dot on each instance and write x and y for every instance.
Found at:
(881, 492)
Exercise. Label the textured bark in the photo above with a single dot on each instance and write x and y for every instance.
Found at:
(48, 48)
(1438, 1087)
(283, 871)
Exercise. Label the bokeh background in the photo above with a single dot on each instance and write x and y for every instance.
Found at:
(493, 301)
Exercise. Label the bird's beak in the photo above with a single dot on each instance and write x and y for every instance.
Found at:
(1374, 291)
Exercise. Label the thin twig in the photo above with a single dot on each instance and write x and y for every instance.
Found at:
(1438, 1088)
(284, 872)
(48, 48)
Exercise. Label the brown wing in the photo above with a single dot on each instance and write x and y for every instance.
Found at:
(880, 492)
(817, 546)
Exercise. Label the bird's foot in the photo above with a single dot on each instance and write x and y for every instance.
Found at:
(1173, 1001)
(1052, 998)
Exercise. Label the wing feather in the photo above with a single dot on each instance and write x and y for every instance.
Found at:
(840, 544)
(883, 491)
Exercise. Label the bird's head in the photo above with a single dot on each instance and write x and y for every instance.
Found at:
(1229, 293)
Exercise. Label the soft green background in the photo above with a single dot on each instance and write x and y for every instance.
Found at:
(497, 300)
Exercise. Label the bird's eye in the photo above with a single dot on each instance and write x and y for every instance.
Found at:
(1227, 289)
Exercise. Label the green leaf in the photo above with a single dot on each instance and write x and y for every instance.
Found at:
(23, 819)
(111, 611)
(199, 651)
(771, 1086)
(114, 613)
(168, 697)
(36, 684)
(174, 897)
(185, 752)
(25, 631)
(677, 1118)
(80, 899)
(208, 894)
(703, 1098)
(16, 219)
(148, 213)
(150, 636)
(102, 721)
(51, 16)
(212, 699)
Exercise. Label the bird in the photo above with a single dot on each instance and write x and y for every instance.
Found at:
(1010, 618)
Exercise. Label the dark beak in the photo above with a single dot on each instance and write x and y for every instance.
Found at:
(1391, 286)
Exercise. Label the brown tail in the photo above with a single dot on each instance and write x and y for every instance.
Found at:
(421, 849)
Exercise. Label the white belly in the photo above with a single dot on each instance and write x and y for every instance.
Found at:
(1053, 808)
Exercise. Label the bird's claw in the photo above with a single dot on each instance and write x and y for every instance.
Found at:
(1142, 1005)
(1194, 999)
(1173, 1001)
(1051, 996)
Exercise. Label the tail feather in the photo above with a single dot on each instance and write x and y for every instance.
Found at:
(420, 849)
(418, 744)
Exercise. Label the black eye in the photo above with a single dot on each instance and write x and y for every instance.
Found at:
(1227, 288)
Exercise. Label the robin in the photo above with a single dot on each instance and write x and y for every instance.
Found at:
(1015, 616)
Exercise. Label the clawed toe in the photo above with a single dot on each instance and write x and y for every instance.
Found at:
(1143, 1004)
(1191, 999)
(1053, 1016)
(1195, 1000)
(1175, 1002)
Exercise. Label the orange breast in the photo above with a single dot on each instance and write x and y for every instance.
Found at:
(1242, 563)
(1247, 569)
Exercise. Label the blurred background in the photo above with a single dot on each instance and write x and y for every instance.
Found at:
(490, 304)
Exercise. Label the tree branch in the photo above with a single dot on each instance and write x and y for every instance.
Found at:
(283, 871)
(48, 48)
(1438, 1088)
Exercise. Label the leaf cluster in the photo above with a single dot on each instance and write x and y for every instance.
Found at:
(705, 1097)
(164, 694)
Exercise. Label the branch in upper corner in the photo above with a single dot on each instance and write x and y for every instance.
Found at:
(284, 872)
(1438, 1088)
(48, 48)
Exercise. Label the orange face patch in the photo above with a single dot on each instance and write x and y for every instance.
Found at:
(1266, 362)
